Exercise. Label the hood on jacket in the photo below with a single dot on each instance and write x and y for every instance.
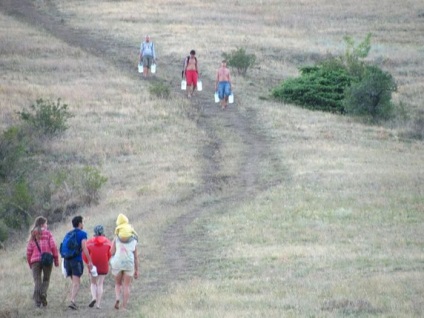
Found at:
(124, 230)
(99, 240)
(122, 219)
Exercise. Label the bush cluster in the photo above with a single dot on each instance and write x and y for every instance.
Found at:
(343, 84)
(318, 88)
(30, 185)
(47, 117)
(240, 60)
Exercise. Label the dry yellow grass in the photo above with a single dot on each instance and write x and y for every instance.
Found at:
(340, 232)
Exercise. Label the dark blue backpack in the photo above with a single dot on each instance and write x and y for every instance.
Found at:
(70, 248)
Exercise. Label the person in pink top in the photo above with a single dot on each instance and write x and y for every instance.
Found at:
(41, 241)
(99, 248)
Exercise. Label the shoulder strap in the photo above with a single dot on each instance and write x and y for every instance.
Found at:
(38, 246)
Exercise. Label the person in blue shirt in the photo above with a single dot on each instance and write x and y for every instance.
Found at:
(147, 55)
(74, 267)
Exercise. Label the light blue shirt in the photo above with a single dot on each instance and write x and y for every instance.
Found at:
(147, 49)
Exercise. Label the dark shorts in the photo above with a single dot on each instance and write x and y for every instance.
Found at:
(74, 267)
(147, 61)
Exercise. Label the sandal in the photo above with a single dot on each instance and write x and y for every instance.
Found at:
(73, 306)
(117, 304)
(91, 304)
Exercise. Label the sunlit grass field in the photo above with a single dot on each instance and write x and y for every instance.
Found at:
(339, 234)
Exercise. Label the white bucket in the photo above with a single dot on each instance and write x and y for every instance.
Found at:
(199, 86)
(140, 68)
(153, 68)
(183, 85)
(231, 98)
(216, 97)
(94, 271)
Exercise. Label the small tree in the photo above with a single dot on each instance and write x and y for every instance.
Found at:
(47, 117)
(354, 55)
(240, 60)
(371, 96)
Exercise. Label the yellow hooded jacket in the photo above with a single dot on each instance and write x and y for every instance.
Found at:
(123, 229)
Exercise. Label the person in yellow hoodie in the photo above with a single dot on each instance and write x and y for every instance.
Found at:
(124, 262)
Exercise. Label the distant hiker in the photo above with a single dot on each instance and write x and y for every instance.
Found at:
(41, 253)
(99, 248)
(147, 55)
(223, 84)
(124, 261)
(71, 249)
(191, 72)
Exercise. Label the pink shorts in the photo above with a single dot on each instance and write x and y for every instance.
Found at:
(191, 77)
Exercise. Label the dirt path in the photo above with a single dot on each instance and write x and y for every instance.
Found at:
(183, 253)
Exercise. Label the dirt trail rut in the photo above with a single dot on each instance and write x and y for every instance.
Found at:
(183, 252)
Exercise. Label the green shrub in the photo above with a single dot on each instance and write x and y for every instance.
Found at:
(12, 150)
(344, 84)
(240, 60)
(91, 181)
(371, 95)
(4, 231)
(16, 201)
(47, 117)
(160, 89)
(318, 88)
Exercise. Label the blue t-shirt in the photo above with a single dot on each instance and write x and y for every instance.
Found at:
(81, 235)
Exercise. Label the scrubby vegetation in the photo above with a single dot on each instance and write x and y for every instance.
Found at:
(31, 181)
(160, 89)
(343, 84)
(240, 60)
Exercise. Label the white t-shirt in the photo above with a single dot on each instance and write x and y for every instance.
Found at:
(123, 259)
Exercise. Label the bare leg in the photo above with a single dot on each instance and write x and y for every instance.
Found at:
(76, 281)
(93, 288)
(100, 281)
(118, 286)
(126, 290)
(145, 71)
(189, 91)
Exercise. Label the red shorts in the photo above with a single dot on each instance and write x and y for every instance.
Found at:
(191, 77)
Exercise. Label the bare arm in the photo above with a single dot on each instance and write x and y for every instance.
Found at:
(86, 253)
(217, 81)
(135, 263)
(113, 248)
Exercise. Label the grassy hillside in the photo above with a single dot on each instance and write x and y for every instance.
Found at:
(280, 212)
